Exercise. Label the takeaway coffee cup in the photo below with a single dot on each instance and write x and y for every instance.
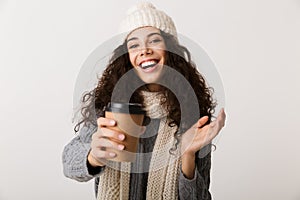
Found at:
(129, 118)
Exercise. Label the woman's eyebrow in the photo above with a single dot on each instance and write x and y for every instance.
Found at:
(134, 38)
(149, 35)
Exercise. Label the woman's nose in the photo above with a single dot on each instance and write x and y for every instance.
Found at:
(145, 51)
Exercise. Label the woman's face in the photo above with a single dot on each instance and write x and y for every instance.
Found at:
(146, 48)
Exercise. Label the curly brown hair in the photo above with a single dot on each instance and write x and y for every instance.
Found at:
(178, 58)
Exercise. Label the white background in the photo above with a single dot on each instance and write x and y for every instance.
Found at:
(254, 44)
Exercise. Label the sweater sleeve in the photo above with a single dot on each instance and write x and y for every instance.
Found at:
(198, 187)
(74, 156)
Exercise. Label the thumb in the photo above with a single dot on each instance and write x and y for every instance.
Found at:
(201, 122)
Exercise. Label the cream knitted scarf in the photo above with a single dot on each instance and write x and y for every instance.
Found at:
(164, 167)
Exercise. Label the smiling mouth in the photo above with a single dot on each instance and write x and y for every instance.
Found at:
(148, 64)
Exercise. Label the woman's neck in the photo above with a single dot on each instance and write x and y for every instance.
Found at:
(153, 87)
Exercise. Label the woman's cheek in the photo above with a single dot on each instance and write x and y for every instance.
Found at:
(132, 58)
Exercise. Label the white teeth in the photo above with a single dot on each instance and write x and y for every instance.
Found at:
(147, 63)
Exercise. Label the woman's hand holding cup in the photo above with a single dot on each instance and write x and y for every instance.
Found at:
(103, 140)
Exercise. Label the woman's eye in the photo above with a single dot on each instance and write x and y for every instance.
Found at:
(155, 41)
(133, 46)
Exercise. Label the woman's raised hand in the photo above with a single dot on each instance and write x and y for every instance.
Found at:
(102, 139)
(199, 136)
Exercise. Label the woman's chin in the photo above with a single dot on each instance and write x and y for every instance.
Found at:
(152, 77)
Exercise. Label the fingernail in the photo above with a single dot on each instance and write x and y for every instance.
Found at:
(112, 154)
(121, 137)
(121, 147)
(112, 122)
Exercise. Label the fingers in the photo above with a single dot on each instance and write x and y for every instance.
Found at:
(216, 126)
(222, 117)
(220, 121)
(195, 139)
(108, 133)
(201, 122)
(99, 157)
(107, 140)
(102, 122)
(102, 156)
(105, 143)
(102, 146)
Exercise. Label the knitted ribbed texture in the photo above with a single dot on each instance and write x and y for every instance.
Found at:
(109, 184)
(145, 14)
(124, 180)
(164, 167)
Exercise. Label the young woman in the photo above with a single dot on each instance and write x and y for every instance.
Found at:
(149, 49)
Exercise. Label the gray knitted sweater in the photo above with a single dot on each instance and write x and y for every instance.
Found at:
(75, 166)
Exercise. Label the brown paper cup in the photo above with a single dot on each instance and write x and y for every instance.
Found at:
(130, 125)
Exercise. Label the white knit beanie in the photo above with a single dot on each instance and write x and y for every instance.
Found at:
(145, 14)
